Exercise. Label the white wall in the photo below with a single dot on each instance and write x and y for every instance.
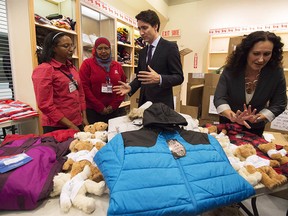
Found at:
(21, 55)
(196, 18)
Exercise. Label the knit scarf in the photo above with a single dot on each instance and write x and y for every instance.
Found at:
(105, 63)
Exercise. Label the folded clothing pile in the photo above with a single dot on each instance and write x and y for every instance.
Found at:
(15, 110)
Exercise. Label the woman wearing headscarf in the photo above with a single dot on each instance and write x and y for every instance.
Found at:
(98, 75)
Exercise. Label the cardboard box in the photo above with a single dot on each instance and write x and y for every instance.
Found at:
(193, 111)
(134, 99)
(278, 138)
(177, 97)
(194, 94)
(183, 53)
(203, 122)
(211, 81)
(233, 42)
(196, 78)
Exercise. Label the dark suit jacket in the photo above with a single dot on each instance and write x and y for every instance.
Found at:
(166, 62)
(270, 92)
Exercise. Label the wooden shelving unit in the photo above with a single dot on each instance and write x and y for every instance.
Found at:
(219, 47)
(68, 8)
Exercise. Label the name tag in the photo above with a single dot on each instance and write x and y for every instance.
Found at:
(106, 88)
(72, 86)
(176, 148)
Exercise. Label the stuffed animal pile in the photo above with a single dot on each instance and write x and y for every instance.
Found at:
(80, 174)
(255, 169)
(270, 178)
(274, 153)
(229, 148)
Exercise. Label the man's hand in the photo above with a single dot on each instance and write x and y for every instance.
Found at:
(122, 89)
(147, 77)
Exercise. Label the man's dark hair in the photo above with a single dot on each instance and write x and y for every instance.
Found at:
(149, 16)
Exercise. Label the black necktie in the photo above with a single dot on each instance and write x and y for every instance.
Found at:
(149, 54)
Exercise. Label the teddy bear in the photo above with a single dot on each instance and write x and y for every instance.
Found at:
(98, 130)
(270, 178)
(97, 126)
(73, 191)
(247, 153)
(82, 154)
(83, 135)
(58, 181)
(135, 113)
(102, 135)
(273, 153)
(100, 126)
(77, 145)
(90, 129)
(254, 178)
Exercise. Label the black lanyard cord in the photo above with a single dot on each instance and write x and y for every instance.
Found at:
(71, 79)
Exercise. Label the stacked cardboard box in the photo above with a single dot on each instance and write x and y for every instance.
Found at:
(208, 109)
(194, 95)
(134, 99)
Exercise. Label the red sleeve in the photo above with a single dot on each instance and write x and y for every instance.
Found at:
(42, 81)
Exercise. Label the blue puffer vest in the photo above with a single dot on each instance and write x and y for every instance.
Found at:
(145, 177)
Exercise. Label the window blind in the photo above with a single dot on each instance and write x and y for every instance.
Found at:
(6, 80)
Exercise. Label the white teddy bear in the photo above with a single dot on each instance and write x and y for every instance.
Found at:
(83, 136)
(74, 191)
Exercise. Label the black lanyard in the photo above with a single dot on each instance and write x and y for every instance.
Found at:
(70, 77)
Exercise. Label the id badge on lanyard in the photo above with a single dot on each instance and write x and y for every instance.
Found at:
(73, 86)
(107, 87)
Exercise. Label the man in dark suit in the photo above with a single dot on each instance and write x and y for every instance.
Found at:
(159, 67)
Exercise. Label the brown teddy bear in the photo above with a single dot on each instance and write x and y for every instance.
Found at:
(247, 152)
(90, 128)
(77, 145)
(253, 163)
(82, 154)
(100, 126)
(97, 126)
(270, 178)
(273, 153)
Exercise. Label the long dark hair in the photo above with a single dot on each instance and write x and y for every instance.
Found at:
(50, 41)
(237, 60)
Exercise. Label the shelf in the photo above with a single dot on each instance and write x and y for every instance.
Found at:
(123, 44)
(127, 65)
(54, 28)
(219, 52)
